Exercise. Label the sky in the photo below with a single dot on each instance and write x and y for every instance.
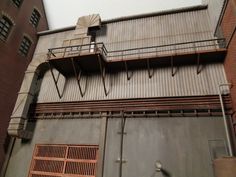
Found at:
(63, 13)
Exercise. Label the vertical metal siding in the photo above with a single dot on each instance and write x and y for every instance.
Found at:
(185, 83)
(157, 30)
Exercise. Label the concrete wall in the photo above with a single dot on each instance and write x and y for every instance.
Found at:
(147, 140)
(84, 131)
(181, 144)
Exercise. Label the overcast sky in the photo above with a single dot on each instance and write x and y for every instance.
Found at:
(63, 13)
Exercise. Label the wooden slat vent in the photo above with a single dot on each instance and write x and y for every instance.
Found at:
(64, 161)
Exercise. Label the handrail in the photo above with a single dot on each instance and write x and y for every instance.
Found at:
(100, 46)
(168, 45)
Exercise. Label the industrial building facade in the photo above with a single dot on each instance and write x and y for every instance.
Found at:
(147, 95)
(20, 20)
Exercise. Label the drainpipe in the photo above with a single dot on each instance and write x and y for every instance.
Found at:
(224, 118)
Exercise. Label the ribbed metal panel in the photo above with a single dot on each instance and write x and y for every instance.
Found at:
(156, 30)
(186, 82)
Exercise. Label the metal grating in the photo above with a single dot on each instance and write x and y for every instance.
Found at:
(64, 161)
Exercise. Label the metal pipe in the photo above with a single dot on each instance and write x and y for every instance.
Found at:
(123, 120)
(225, 120)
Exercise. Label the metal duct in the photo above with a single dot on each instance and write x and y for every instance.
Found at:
(17, 125)
(25, 97)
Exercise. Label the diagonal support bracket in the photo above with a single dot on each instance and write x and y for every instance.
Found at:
(172, 66)
(103, 74)
(150, 74)
(198, 64)
(55, 80)
(78, 77)
(127, 70)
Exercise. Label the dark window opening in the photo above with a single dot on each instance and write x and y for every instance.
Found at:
(25, 46)
(35, 17)
(5, 27)
(17, 2)
(64, 160)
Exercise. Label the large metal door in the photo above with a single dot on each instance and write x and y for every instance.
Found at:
(181, 145)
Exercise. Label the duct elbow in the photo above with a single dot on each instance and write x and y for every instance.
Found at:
(16, 128)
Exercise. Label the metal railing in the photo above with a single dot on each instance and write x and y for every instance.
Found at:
(150, 51)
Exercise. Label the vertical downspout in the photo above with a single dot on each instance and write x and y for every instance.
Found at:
(102, 145)
(123, 120)
(225, 120)
(7, 158)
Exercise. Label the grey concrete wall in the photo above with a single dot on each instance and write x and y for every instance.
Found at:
(85, 131)
(181, 144)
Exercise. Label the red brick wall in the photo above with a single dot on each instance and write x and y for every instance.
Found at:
(228, 25)
(12, 64)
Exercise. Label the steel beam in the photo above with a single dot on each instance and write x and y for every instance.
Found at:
(55, 81)
(103, 73)
(78, 77)
(149, 72)
(198, 63)
(127, 71)
(172, 66)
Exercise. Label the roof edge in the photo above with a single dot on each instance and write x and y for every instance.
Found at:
(125, 18)
(159, 13)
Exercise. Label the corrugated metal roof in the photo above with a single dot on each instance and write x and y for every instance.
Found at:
(185, 83)
(156, 30)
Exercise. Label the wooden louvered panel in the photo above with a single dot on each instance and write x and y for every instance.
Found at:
(64, 161)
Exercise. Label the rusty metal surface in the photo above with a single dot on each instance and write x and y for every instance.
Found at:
(162, 84)
(178, 106)
(64, 160)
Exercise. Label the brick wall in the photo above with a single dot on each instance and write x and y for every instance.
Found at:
(12, 64)
(228, 25)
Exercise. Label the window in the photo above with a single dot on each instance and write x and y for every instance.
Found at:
(35, 17)
(17, 2)
(5, 27)
(64, 160)
(25, 46)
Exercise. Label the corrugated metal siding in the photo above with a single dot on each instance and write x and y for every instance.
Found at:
(214, 9)
(157, 30)
(185, 83)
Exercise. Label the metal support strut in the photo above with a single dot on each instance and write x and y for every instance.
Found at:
(126, 69)
(198, 64)
(103, 73)
(149, 71)
(172, 66)
(78, 77)
(55, 81)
